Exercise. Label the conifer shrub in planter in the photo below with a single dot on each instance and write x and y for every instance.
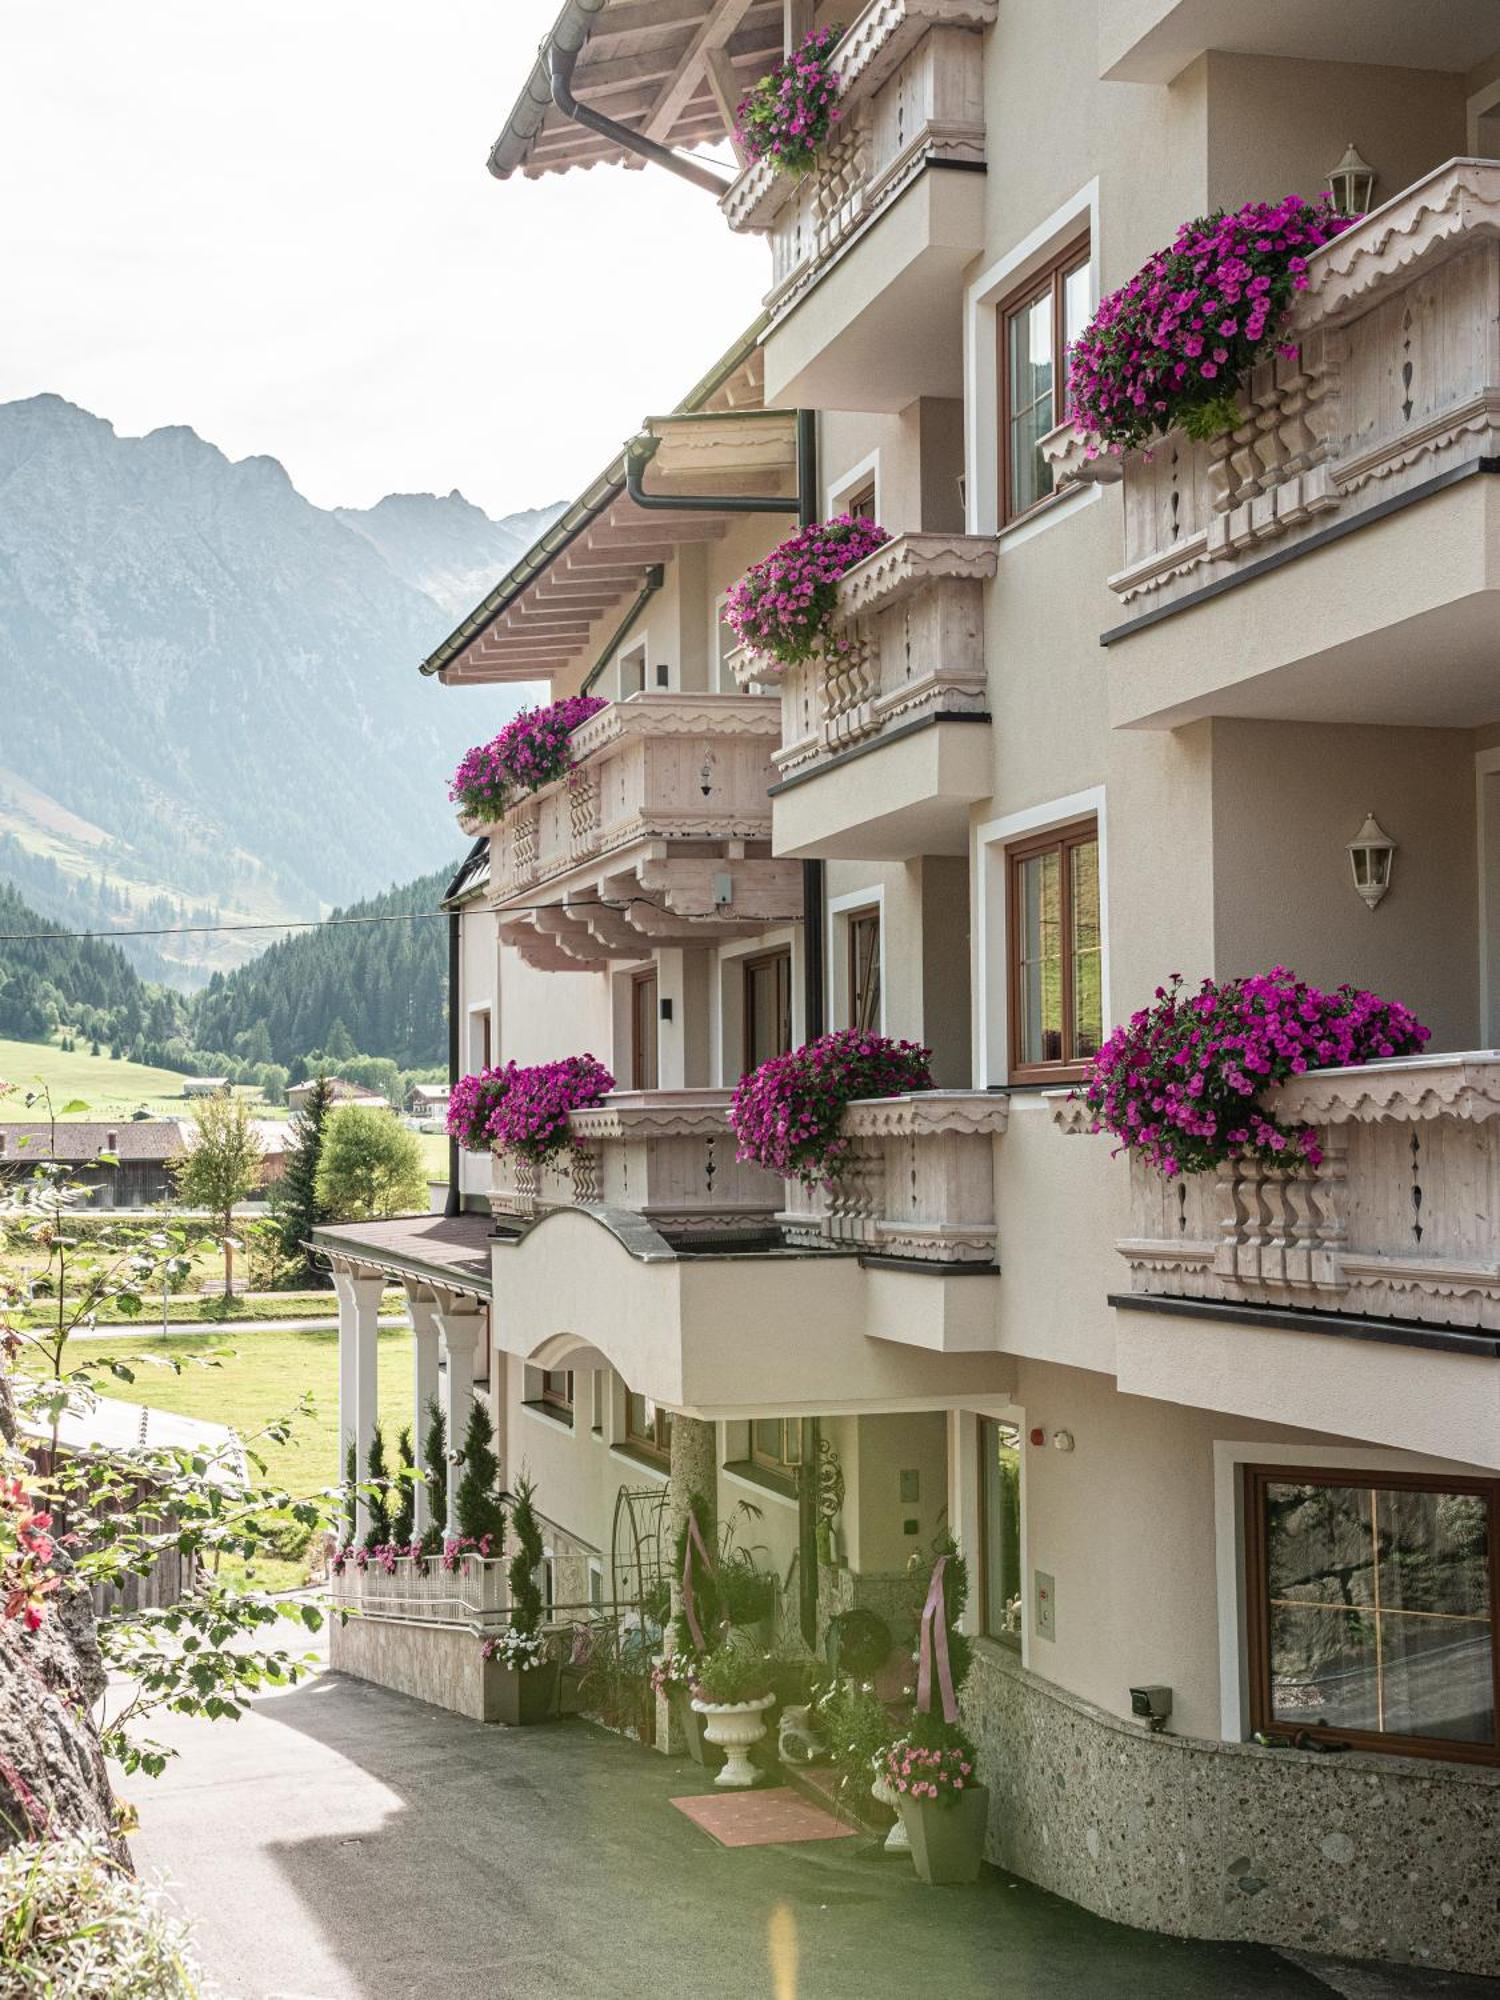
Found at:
(787, 115)
(520, 1678)
(1179, 1085)
(477, 1503)
(734, 1690)
(787, 1114)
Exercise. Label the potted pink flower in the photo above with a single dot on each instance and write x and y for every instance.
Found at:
(933, 1773)
(783, 605)
(786, 116)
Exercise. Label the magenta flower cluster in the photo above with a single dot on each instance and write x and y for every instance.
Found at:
(530, 751)
(1180, 1084)
(525, 1111)
(938, 1772)
(1174, 345)
(386, 1555)
(782, 605)
(787, 1114)
(787, 115)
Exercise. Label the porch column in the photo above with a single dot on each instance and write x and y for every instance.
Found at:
(459, 1321)
(694, 1469)
(359, 1322)
(425, 1335)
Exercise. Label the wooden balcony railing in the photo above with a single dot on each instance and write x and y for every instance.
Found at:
(1401, 1221)
(911, 93)
(666, 1155)
(918, 1182)
(1393, 384)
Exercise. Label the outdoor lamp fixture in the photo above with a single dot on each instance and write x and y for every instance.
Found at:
(706, 778)
(1371, 853)
(1352, 183)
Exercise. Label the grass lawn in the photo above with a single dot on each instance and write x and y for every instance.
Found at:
(263, 1378)
(434, 1155)
(109, 1088)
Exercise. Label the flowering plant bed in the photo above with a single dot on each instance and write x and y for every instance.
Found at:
(676, 1672)
(531, 751)
(1179, 1085)
(1174, 344)
(787, 1114)
(530, 1117)
(786, 116)
(523, 1652)
(781, 607)
(472, 1107)
(386, 1555)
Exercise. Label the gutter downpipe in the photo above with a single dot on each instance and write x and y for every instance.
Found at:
(560, 64)
(656, 576)
(455, 1202)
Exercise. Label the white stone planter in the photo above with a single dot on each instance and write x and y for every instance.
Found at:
(884, 1793)
(735, 1729)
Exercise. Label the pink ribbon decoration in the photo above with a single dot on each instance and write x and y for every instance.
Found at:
(689, 1609)
(935, 1640)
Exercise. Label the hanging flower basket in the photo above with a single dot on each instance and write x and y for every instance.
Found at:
(472, 1106)
(786, 116)
(783, 605)
(531, 1118)
(1180, 1084)
(530, 751)
(1174, 345)
(787, 1114)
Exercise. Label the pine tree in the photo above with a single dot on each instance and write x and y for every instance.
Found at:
(351, 1480)
(406, 1498)
(479, 1509)
(525, 1591)
(435, 1464)
(378, 1499)
(298, 1210)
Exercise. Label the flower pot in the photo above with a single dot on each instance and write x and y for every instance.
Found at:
(735, 1729)
(884, 1793)
(947, 1838)
(691, 1722)
(517, 1698)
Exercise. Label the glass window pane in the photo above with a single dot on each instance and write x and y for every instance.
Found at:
(1000, 1498)
(864, 970)
(768, 1438)
(1078, 298)
(1039, 968)
(1437, 1677)
(1434, 1552)
(1323, 1667)
(1320, 1543)
(1088, 958)
(1029, 364)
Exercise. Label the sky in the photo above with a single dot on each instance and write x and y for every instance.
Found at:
(273, 222)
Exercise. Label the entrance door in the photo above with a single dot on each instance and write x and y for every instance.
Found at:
(644, 1064)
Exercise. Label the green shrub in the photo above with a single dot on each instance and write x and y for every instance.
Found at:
(75, 1926)
(731, 1675)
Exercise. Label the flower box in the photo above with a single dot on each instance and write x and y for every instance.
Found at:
(947, 1835)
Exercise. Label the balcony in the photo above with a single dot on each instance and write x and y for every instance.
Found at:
(880, 237)
(1298, 567)
(918, 1183)
(1363, 1294)
(886, 746)
(658, 838)
(667, 1156)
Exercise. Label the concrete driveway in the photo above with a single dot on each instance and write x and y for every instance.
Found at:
(344, 1843)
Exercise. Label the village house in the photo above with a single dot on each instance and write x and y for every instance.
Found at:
(1221, 1448)
(123, 1165)
(428, 1100)
(340, 1090)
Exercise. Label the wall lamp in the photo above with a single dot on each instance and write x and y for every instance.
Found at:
(1371, 856)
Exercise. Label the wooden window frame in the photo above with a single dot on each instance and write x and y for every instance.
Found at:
(648, 1445)
(1077, 833)
(1390, 1743)
(756, 962)
(864, 495)
(780, 1466)
(561, 1400)
(853, 919)
(1052, 276)
(647, 977)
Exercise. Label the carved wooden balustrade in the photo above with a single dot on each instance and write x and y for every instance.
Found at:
(1393, 382)
(911, 92)
(1400, 1221)
(909, 635)
(666, 1155)
(918, 1181)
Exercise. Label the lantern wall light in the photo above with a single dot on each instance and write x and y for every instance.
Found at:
(1352, 184)
(1371, 855)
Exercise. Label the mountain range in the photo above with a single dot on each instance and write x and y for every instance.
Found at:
(211, 700)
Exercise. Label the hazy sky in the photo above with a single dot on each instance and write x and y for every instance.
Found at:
(273, 222)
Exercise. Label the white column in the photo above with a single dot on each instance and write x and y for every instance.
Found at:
(458, 1322)
(425, 1336)
(359, 1324)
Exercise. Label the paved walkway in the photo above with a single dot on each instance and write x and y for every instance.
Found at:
(344, 1843)
(146, 1328)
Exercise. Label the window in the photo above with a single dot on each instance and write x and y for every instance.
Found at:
(480, 1055)
(648, 1428)
(1037, 327)
(860, 505)
(776, 1445)
(644, 1066)
(555, 1391)
(596, 1584)
(1001, 1594)
(1371, 1609)
(768, 1007)
(864, 970)
(1056, 953)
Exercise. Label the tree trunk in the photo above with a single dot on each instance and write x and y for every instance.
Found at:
(229, 1262)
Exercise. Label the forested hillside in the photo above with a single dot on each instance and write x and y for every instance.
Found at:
(75, 982)
(383, 983)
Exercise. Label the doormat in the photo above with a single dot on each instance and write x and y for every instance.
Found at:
(775, 1818)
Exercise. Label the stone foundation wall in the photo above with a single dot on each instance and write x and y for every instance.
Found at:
(434, 1664)
(1368, 1856)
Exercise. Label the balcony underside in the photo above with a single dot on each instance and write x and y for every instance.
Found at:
(1390, 621)
(1152, 41)
(733, 1336)
(883, 323)
(905, 793)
